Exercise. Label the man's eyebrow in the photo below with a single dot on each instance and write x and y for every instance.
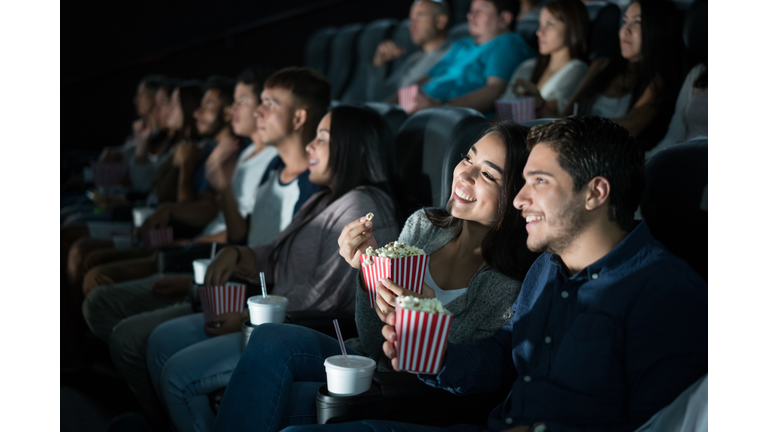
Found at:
(538, 172)
(324, 130)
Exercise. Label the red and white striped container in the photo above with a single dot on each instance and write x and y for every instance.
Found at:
(406, 98)
(518, 110)
(159, 237)
(408, 272)
(107, 174)
(221, 299)
(421, 340)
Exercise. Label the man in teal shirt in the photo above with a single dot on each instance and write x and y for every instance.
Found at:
(475, 71)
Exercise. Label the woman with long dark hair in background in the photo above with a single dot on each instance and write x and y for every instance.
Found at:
(477, 261)
(352, 157)
(553, 75)
(638, 89)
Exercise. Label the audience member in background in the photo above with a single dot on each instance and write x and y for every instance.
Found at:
(475, 71)
(529, 10)
(552, 77)
(428, 27)
(580, 352)
(233, 170)
(478, 259)
(638, 89)
(690, 118)
(125, 314)
(144, 101)
(350, 156)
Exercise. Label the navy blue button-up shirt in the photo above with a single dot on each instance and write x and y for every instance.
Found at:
(602, 350)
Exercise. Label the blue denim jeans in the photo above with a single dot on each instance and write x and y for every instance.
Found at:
(276, 381)
(186, 364)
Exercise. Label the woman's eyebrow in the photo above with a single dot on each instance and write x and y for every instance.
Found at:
(494, 166)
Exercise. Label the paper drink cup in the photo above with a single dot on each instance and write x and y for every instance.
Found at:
(350, 376)
(519, 110)
(267, 310)
(421, 339)
(160, 237)
(408, 272)
(406, 97)
(106, 230)
(141, 214)
(221, 299)
(200, 266)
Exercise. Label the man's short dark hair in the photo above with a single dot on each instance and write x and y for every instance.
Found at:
(153, 82)
(255, 77)
(592, 146)
(439, 7)
(308, 86)
(512, 6)
(225, 86)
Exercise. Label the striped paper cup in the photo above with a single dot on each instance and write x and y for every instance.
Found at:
(160, 237)
(408, 272)
(221, 299)
(406, 97)
(421, 340)
(518, 110)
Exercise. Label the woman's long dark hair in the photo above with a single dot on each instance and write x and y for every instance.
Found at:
(660, 66)
(190, 95)
(361, 154)
(504, 246)
(576, 18)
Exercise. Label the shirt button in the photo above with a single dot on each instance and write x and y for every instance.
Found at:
(508, 420)
(595, 275)
(564, 294)
(547, 339)
(527, 378)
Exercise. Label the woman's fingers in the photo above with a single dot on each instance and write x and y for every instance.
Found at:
(396, 289)
(386, 294)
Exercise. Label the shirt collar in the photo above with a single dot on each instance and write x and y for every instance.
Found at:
(637, 239)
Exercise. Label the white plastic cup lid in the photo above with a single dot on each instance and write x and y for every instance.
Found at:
(271, 300)
(351, 363)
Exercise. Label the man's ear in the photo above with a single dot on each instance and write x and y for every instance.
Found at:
(299, 118)
(507, 18)
(227, 114)
(598, 192)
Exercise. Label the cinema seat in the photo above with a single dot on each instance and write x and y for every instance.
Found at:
(343, 58)
(695, 34)
(402, 38)
(603, 33)
(392, 113)
(317, 51)
(369, 39)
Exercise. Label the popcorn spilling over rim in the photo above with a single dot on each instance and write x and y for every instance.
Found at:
(392, 250)
(430, 305)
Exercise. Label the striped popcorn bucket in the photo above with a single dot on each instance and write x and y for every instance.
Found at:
(106, 174)
(221, 299)
(406, 97)
(421, 340)
(518, 110)
(160, 237)
(408, 272)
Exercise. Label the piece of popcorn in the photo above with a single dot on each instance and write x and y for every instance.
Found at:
(394, 250)
(369, 216)
(431, 305)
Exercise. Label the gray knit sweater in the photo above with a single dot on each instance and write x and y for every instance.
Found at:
(477, 314)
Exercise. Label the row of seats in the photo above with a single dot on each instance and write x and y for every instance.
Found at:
(345, 54)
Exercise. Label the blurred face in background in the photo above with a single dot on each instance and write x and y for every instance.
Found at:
(175, 113)
(244, 110)
(551, 33)
(275, 115)
(162, 108)
(631, 33)
(485, 22)
(319, 151)
(425, 24)
(210, 116)
(144, 101)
